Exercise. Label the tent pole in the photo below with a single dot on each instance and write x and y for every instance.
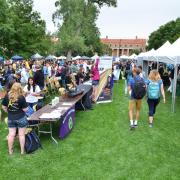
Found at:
(157, 64)
(174, 88)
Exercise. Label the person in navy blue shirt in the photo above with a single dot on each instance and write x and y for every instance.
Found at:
(134, 103)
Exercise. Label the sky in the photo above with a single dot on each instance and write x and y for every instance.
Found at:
(130, 19)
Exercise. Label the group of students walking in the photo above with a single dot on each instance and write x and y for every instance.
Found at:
(138, 88)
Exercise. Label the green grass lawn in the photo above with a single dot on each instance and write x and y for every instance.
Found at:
(101, 146)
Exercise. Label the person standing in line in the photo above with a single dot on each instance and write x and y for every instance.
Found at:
(39, 77)
(34, 67)
(137, 90)
(24, 76)
(128, 75)
(15, 105)
(95, 79)
(142, 73)
(171, 78)
(155, 88)
(49, 70)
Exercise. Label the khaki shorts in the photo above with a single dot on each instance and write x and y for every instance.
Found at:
(135, 104)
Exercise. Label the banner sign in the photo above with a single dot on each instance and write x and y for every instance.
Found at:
(116, 74)
(105, 63)
(67, 123)
(106, 94)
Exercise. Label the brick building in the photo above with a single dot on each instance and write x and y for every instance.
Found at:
(121, 47)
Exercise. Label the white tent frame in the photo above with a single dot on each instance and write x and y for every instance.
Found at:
(175, 62)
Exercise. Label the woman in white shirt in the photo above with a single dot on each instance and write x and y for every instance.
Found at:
(32, 91)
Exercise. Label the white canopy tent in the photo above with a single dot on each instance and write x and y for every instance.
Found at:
(169, 54)
(172, 56)
(124, 57)
(62, 57)
(36, 56)
(133, 56)
(76, 58)
(94, 57)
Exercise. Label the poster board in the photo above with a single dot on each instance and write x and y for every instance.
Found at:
(105, 63)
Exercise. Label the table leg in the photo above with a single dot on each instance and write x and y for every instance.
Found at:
(48, 132)
(82, 105)
(52, 134)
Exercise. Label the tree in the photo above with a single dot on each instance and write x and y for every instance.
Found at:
(22, 29)
(168, 32)
(5, 28)
(78, 31)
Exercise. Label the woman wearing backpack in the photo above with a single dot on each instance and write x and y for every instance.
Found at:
(155, 88)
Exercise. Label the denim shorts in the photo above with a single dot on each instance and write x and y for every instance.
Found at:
(95, 82)
(20, 123)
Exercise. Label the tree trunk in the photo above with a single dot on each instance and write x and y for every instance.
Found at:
(69, 55)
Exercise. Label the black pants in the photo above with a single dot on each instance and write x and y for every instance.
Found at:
(152, 103)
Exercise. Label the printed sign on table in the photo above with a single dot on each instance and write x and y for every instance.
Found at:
(67, 123)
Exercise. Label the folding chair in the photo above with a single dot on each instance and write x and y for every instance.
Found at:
(52, 85)
(57, 84)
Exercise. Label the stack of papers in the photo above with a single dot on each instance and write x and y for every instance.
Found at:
(52, 115)
(67, 104)
(62, 108)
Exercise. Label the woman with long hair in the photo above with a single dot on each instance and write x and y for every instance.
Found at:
(15, 105)
(80, 75)
(95, 79)
(155, 88)
(32, 91)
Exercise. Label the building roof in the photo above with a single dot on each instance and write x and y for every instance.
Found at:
(123, 41)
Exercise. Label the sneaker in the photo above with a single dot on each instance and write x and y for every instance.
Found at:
(135, 126)
(132, 127)
(150, 125)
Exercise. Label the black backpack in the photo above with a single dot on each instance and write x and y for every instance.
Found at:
(139, 90)
(32, 142)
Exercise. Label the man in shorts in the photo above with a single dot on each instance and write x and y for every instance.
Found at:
(134, 104)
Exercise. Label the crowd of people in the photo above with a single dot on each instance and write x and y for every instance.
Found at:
(20, 71)
(24, 82)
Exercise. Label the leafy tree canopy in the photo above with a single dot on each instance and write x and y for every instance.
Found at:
(168, 32)
(78, 32)
(22, 29)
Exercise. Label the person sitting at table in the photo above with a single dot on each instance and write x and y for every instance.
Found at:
(80, 75)
(32, 91)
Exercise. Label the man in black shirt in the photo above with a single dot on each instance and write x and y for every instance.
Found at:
(39, 77)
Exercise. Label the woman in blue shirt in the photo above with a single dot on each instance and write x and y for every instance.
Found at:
(155, 88)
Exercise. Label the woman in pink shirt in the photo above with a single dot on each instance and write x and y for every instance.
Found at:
(95, 79)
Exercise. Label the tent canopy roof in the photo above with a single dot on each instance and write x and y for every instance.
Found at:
(51, 57)
(61, 57)
(1, 58)
(17, 58)
(167, 53)
(36, 56)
